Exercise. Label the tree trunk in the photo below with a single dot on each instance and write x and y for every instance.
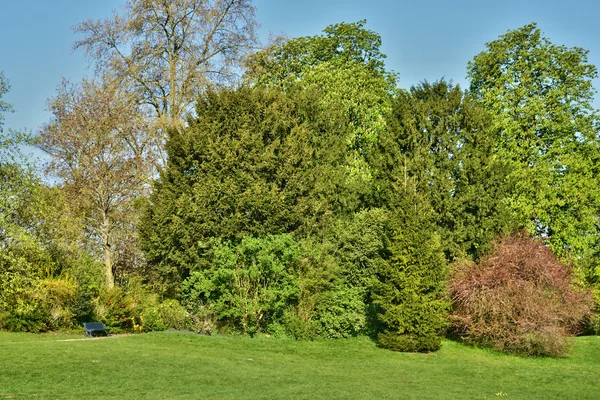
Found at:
(110, 279)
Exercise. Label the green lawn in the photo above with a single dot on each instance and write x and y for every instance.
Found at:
(188, 366)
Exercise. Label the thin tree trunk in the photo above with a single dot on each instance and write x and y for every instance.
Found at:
(110, 279)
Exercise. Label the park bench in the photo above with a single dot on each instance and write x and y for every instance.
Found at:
(94, 329)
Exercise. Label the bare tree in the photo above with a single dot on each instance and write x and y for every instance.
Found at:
(171, 50)
(99, 147)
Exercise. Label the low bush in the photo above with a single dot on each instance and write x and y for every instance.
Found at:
(166, 315)
(248, 286)
(116, 310)
(342, 312)
(518, 299)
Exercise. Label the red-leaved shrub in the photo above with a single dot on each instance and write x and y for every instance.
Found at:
(519, 299)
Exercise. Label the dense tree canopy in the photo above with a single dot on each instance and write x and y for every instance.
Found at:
(253, 162)
(312, 198)
(441, 142)
(540, 95)
(347, 66)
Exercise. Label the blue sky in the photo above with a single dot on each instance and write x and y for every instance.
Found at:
(426, 39)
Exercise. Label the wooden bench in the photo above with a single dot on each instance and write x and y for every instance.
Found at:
(94, 329)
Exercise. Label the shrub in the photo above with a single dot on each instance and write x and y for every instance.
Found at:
(26, 319)
(342, 312)
(166, 315)
(357, 244)
(116, 310)
(261, 285)
(58, 296)
(248, 285)
(518, 299)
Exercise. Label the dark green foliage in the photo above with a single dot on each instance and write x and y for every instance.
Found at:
(252, 163)
(358, 245)
(441, 141)
(410, 292)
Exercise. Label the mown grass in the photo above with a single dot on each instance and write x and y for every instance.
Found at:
(186, 366)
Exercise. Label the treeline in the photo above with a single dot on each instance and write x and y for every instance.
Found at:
(313, 197)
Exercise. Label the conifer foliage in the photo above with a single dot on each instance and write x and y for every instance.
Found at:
(410, 287)
(253, 163)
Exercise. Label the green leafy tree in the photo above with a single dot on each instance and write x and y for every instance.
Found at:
(346, 65)
(541, 97)
(253, 162)
(38, 246)
(442, 141)
(291, 59)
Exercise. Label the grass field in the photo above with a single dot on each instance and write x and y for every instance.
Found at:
(174, 365)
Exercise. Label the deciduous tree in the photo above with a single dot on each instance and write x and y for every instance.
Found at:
(347, 66)
(547, 130)
(99, 150)
(171, 51)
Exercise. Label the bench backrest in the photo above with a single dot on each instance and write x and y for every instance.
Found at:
(94, 325)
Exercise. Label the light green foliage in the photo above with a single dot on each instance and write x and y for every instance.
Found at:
(342, 312)
(253, 163)
(440, 142)
(20, 254)
(260, 282)
(166, 315)
(4, 106)
(346, 66)
(541, 96)
(410, 292)
(287, 60)
(41, 264)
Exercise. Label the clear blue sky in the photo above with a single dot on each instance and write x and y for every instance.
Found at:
(426, 39)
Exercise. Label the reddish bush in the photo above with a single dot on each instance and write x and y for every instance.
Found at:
(519, 299)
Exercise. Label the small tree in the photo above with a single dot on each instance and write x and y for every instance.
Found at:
(98, 148)
(411, 284)
(519, 299)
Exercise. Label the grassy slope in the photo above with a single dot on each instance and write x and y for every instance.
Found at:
(180, 365)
